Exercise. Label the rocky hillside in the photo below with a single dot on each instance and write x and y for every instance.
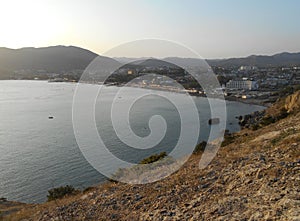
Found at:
(280, 109)
(256, 176)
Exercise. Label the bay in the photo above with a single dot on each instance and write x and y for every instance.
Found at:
(38, 153)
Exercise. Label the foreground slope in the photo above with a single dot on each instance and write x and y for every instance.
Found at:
(256, 177)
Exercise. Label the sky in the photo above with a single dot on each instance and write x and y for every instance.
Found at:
(213, 28)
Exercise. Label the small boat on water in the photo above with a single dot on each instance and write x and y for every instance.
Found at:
(50, 117)
(214, 121)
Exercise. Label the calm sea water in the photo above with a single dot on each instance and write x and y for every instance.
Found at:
(37, 154)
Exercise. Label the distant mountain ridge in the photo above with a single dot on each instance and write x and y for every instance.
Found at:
(52, 59)
(156, 63)
(277, 60)
(62, 59)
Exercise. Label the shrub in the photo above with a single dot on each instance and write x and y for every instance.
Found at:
(283, 114)
(60, 192)
(288, 90)
(255, 127)
(88, 189)
(153, 158)
(268, 120)
(228, 139)
(200, 147)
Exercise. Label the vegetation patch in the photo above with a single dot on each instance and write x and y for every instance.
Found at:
(267, 120)
(88, 189)
(288, 90)
(200, 147)
(228, 139)
(255, 127)
(153, 158)
(60, 192)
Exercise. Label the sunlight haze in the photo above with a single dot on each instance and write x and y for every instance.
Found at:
(215, 29)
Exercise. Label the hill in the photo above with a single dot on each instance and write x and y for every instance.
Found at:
(187, 62)
(156, 63)
(67, 59)
(255, 176)
(142, 63)
(262, 61)
(55, 59)
(278, 60)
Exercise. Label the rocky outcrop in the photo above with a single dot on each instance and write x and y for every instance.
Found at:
(276, 112)
(292, 102)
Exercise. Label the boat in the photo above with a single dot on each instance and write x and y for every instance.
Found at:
(55, 80)
(214, 121)
(50, 117)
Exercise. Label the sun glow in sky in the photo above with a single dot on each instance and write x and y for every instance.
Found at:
(214, 28)
(28, 23)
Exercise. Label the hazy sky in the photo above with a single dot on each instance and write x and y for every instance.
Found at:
(213, 28)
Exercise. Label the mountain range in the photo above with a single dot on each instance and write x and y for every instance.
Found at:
(51, 59)
(277, 60)
(64, 59)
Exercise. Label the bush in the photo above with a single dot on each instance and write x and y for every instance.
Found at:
(255, 127)
(154, 158)
(283, 114)
(60, 192)
(288, 90)
(200, 147)
(228, 139)
(88, 189)
(268, 120)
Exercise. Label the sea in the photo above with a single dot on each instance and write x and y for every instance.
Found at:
(38, 147)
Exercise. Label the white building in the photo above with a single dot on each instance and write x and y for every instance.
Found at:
(242, 84)
(247, 68)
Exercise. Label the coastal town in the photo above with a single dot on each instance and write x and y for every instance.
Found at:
(261, 85)
(136, 110)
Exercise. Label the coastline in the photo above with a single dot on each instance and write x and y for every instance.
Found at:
(253, 161)
(264, 103)
(242, 174)
(251, 101)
